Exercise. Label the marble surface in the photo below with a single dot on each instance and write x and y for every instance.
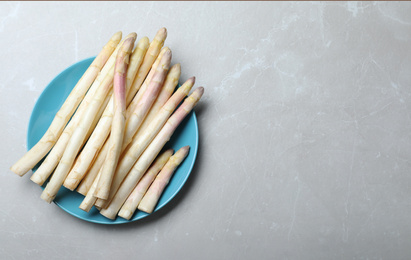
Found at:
(305, 129)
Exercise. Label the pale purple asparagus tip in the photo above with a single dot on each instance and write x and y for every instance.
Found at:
(201, 90)
(132, 35)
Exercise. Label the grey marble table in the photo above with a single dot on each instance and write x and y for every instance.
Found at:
(305, 129)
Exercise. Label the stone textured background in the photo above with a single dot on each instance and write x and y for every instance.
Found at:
(305, 129)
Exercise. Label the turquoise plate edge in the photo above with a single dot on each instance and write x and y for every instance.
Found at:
(43, 113)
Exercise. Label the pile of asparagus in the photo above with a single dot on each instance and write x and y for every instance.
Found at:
(106, 140)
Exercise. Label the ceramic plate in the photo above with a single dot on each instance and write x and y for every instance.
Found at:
(43, 113)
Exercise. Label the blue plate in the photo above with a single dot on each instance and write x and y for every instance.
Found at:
(43, 113)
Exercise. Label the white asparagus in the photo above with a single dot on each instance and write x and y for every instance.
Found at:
(117, 128)
(130, 205)
(80, 132)
(99, 114)
(131, 107)
(151, 197)
(86, 182)
(138, 115)
(141, 141)
(151, 55)
(148, 98)
(53, 158)
(149, 154)
(43, 146)
(89, 198)
(136, 60)
(102, 130)
(169, 85)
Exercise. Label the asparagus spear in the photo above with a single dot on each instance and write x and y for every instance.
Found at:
(84, 183)
(80, 132)
(117, 128)
(89, 198)
(147, 100)
(141, 141)
(37, 152)
(168, 88)
(95, 120)
(149, 58)
(102, 130)
(130, 205)
(150, 199)
(99, 114)
(136, 59)
(132, 106)
(149, 155)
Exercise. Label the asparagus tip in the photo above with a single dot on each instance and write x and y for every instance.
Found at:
(184, 150)
(117, 35)
(144, 40)
(167, 52)
(201, 89)
(162, 32)
(177, 66)
(165, 49)
(132, 35)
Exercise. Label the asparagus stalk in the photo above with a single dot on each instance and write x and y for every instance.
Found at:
(102, 130)
(37, 152)
(147, 100)
(117, 128)
(89, 198)
(149, 58)
(130, 205)
(149, 155)
(168, 88)
(84, 183)
(141, 141)
(150, 199)
(136, 59)
(99, 114)
(80, 132)
(132, 106)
